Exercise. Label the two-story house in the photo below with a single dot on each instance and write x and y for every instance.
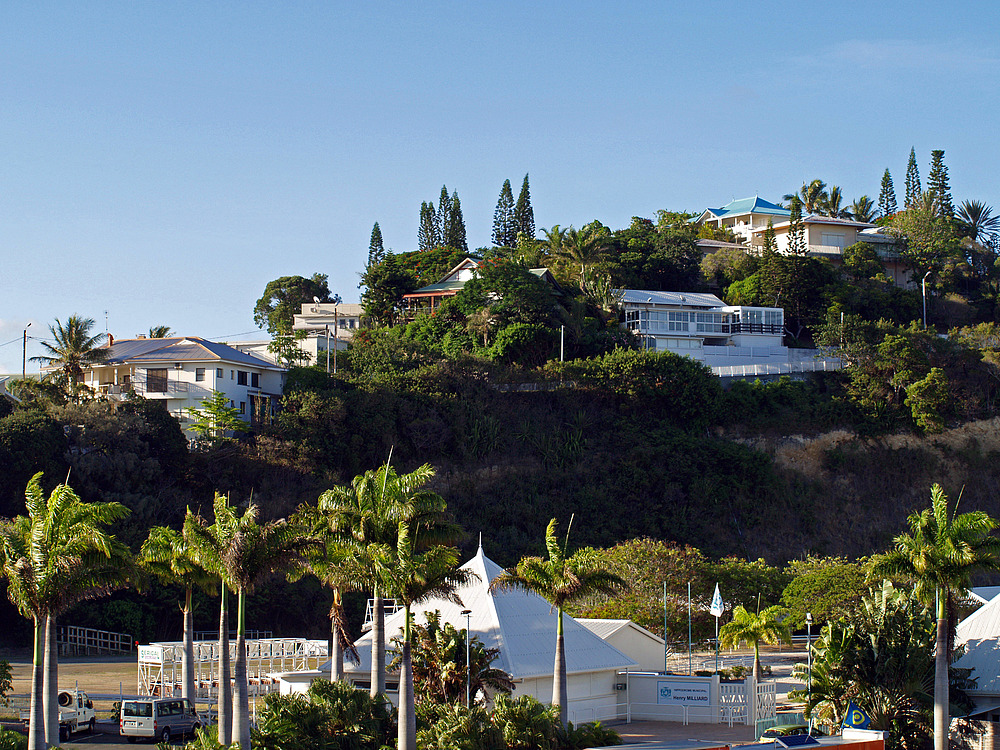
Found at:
(183, 371)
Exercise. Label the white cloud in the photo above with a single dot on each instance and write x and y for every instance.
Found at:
(906, 54)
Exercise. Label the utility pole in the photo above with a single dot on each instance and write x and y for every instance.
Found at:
(24, 351)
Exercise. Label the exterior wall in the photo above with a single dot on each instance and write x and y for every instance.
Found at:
(642, 649)
(647, 703)
(592, 695)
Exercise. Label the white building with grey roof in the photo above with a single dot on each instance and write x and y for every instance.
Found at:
(182, 371)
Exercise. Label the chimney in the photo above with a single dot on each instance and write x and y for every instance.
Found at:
(111, 341)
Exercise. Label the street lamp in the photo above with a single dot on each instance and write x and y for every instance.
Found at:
(468, 667)
(24, 350)
(809, 658)
(923, 291)
(336, 301)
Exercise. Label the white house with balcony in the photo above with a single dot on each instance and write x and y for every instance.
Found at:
(731, 339)
(742, 217)
(183, 371)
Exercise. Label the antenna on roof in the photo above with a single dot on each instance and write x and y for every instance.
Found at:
(105, 321)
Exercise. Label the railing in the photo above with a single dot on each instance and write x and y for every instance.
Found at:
(250, 635)
(74, 640)
(604, 713)
(389, 607)
(771, 329)
(144, 388)
(781, 368)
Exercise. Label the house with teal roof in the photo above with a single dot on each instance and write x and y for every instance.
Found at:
(743, 216)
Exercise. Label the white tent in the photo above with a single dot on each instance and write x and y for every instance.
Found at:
(523, 626)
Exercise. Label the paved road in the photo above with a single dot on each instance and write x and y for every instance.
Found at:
(106, 736)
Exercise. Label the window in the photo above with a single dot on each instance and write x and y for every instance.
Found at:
(219, 373)
(156, 381)
(199, 374)
(255, 380)
(241, 377)
(834, 240)
(243, 407)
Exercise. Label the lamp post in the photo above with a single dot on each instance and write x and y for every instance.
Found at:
(923, 291)
(336, 319)
(468, 667)
(24, 351)
(809, 656)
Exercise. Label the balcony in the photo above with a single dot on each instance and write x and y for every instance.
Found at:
(160, 389)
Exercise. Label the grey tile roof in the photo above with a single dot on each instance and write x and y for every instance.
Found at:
(180, 349)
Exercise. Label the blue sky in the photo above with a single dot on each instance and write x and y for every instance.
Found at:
(163, 161)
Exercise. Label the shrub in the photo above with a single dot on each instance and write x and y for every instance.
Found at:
(452, 726)
(12, 740)
(525, 723)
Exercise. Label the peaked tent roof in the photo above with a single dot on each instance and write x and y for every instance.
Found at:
(179, 349)
(522, 625)
(980, 634)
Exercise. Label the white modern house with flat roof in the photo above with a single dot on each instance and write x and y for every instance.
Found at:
(705, 328)
(182, 371)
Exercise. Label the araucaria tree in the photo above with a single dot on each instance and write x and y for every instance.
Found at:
(913, 189)
(937, 184)
(504, 224)
(376, 250)
(561, 579)
(58, 555)
(427, 231)
(524, 214)
(887, 196)
(73, 349)
(456, 226)
(940, 555)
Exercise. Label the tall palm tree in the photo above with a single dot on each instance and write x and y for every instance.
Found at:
(207, 543)
(583, 247)
(747, 627)
(167, 555)
(863, 209)
(812, 194)
(367, 514)
(56, 556)
(555, 240)
(159, 332)
(940, 555)
(254, 552)
(831, 206)
(412, 576)
(332, 562)
(73, 348)
(561, 579)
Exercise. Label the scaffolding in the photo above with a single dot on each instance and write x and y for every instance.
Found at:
(160, 665)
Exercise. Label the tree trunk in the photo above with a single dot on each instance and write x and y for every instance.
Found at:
(50, 701)
(406, 738)
(378, 646)
(941, 699)
(36, 724)
(241, 707)
(188, 688)
(336, 653)
(758, 672)
(559, 687)
(225, 689)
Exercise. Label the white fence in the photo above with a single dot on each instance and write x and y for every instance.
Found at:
(779, 368)
(73, 640)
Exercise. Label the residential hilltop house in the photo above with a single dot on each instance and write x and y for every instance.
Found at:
(429, 298)
(705, 328)
(742, 217)
(183, 371)
(324, 327)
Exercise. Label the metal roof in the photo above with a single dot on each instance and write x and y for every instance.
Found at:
(674, 299)
(979, 633)
(743, 206)
(604, 629)
(179, 349)
(522, 625)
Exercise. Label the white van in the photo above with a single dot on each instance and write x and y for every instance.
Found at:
(158, 719)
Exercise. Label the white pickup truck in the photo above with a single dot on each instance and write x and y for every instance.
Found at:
(76, 711)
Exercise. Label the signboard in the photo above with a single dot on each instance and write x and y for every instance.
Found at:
(683, 693)
(151, 654)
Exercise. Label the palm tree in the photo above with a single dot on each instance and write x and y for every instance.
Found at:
(863, 209)
(167, 555)
(207, 542)
(159, 332)
(831, 206)
(561, 580)
(940, 555)
(555, 240)
(978, 223)
(412, 576)
(584, 247)
(812, 194)
(56, 556)
(74, 348)
(332, 562)
(747, 627)
(367, 514)
(254, 552)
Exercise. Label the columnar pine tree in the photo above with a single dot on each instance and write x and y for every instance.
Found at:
(456, 226)
(376, 251)
(427, 232)
(504, 226)
(524, 215)
(796, 231)
(913, 189)
(770, 266)
(443, 216)
(937, 185)
(887, 196)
